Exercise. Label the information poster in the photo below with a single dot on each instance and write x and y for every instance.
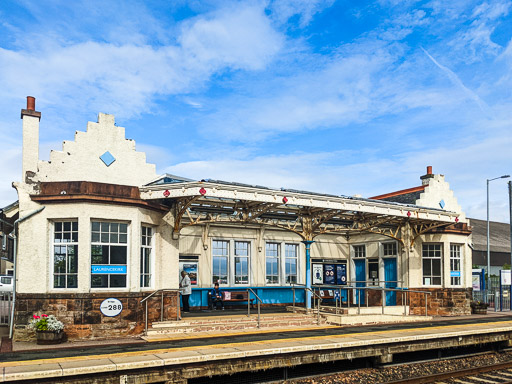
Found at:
(505, 277)
(318, 273)
(329, 274)
(191, 268)
(341, 274)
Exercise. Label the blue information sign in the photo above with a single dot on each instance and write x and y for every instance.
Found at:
(454, 273)
(111, 269)
(329, 274)
(341, 274)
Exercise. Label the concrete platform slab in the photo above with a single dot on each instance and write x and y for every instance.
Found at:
(180, 357)
(136, 361)
(32, 372)
(83, 367)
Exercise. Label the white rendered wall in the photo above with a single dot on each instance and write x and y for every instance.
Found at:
(80, 160)
(35, 264)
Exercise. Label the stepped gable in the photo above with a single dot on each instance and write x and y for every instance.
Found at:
(101, 154)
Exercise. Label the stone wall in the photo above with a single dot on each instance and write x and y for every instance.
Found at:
(83, 319)
(441, 301)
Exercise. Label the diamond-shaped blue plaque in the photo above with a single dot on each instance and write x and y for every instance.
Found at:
(442, 204)
(107, 158)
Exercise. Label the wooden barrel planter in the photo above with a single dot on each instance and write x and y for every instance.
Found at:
(49, 337)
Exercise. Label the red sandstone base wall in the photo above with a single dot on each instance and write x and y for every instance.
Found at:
(441, 301)
(82, 317)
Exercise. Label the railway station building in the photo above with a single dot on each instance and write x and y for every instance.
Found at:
(96, 222)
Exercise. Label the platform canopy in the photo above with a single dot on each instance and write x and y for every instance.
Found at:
(307, 214)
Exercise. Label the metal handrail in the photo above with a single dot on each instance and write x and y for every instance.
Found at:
(162, 291)
(403, 290)
(249, 304)
(293, 293)
(319, 301)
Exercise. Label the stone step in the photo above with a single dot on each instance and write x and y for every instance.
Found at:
(225, 327)
(229, 319)
(239, 324)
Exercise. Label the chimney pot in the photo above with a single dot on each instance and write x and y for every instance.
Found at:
(429, 170)
(31, 103)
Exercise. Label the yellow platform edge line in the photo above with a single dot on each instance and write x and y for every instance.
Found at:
(226, 345)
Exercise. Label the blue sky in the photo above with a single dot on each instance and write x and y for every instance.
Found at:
(344, 97)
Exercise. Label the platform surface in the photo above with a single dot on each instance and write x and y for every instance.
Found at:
(85, 359)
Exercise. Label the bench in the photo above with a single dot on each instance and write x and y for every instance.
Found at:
(232, 296)
(328, 294)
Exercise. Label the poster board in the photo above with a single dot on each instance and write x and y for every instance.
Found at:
(318, 273)
(329, 274)
(191, 268)
(341, 274)
(505, 277)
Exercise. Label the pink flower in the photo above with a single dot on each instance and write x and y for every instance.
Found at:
(37, 317)
(44, 315)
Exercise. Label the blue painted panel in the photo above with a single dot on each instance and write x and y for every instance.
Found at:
(361, 277)
(390, 277)
(269, 295)
(107, 158)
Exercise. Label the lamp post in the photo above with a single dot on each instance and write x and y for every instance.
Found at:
(488, 244)
(510, 208)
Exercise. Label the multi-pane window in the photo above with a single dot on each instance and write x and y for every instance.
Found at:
(242, 262)
(389, 249)
(290, 263)
(272, 263)
(65, 254)
(109, 254)
(146, 257)
(431, 264)
(359, 251)
(220, 255)
(455, 264)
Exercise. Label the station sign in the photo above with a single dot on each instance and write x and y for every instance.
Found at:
(111, 307)
(110, 269)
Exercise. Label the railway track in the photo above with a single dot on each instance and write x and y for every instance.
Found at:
(489, 374)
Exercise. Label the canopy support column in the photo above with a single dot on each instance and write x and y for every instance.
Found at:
(308, 243)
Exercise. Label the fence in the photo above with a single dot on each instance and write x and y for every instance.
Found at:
(496, 296)
(5, 307)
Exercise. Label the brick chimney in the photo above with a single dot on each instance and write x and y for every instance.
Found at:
(31, 120)
(428, 175)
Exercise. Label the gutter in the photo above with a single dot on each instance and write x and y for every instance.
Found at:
(15, 253)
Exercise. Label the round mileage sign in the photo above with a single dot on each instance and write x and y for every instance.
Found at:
(111, 307)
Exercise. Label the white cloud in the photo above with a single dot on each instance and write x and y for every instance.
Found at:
(124, 78)
(341, 173)
(283, 10)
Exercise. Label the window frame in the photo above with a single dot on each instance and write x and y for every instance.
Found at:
(110, 244)
(459, 258)
(278, 257)
(226, 256)
(234, 256)
(151, 249)
(65, 244)
(432, 259)
(296, 258)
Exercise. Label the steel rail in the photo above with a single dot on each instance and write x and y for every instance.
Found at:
(432, 378)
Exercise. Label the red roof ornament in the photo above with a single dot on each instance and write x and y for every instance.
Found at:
(202, 191)
(285, 200)
(408, 213)
(167, 193)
